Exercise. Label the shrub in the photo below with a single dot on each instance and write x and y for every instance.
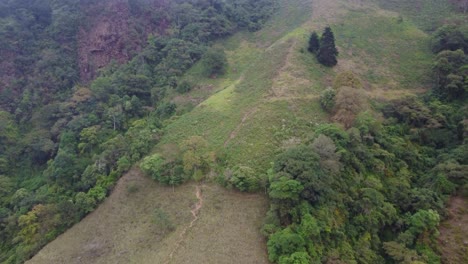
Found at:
(244, 179)
(214, 63)
(327, 99)
(163, 221)
(184, 87)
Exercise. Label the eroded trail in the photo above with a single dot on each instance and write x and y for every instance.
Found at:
(194, 211)
(234, 133)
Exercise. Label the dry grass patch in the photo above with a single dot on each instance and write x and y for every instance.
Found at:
(141, 222)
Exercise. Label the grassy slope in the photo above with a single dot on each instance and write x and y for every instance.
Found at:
(123, 229)
(266, 102)
(269, 98)
(240, 117)
(426, 14)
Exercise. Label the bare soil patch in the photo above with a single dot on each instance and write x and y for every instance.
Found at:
(453, 239)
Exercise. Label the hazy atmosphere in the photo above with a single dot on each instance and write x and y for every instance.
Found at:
(234, 131)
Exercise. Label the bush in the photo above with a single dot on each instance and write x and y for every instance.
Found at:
(348, 79)
(184, 87)
(165, 110)
(153, 166)
(327, 99)
(132, 187)
(244, 179)
(214, 62)
(163, 221)
(349, 103)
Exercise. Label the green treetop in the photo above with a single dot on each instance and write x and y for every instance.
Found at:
(327, 52)
(314, 42)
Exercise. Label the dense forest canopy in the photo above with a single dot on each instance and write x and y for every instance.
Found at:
(83, 91)
(372, 187)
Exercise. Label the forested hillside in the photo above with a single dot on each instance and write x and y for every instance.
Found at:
(67, 136)
(349, 116)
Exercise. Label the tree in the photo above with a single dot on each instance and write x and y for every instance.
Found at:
(286, 189)
(424, 220)
(449, 37)
(153, 166)
(196, 158)
(450, 70)
(245, 179)
(327, 99)
(284, 243)
(296, 258)
(400, 253)
(349, 103)
(314, 42)
(214, 62)
(84, 203)
(327, 52)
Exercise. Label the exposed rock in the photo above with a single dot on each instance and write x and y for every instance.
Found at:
(112, 34)
(106, 38)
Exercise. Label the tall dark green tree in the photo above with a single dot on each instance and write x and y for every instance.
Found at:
(327, 52)
(314, 42)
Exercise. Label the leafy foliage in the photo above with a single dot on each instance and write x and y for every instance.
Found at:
(244, 179)
(327, 51)
(64, 144)
(451, 72)
(314, 42)
(214, 62)
(450, 37)
(327, 99)
(369, 190)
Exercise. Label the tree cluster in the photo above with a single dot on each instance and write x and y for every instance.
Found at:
(451, 65)
(324, 47)
(372, 187)
(373, 193)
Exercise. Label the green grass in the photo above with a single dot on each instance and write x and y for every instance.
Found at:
(271, 78)
(255, 60)
(390, 50)
(290, 16)
(426, 14)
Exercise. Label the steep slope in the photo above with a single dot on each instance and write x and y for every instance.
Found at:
(274, 100)
(142, 222)
(268, 101)
(115, 32)
(452, 239)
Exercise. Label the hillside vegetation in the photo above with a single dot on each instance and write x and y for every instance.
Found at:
(358, 160)
(67, 135)
(143, 222)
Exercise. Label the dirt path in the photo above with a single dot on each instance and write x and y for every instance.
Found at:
(238, 128)
(194, 212)
(453, 239)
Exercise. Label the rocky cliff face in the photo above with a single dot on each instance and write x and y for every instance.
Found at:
(114, 33)
(107, 30)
